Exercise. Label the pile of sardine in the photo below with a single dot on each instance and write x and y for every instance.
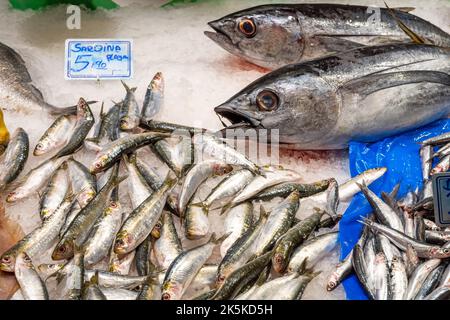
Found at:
(402, 253)
(96, 246)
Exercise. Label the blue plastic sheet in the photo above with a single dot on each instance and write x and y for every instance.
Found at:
(400, 155)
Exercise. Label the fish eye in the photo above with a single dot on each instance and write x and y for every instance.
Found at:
(278, 259)
(446, 251)
(6, 259)
(39, 146)
(165, 296)
(62, 249)
(247, 27)
(120, 242)
(98, 165)
(267, 100)
(26, 258)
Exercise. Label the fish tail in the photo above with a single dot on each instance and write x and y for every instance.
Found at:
(225, 208)
(204, 205)
(216, 240)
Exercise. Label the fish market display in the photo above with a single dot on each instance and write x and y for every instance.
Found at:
(275, 35)
(128, 207)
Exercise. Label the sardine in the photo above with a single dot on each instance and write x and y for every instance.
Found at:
(107, 129)
(129, 111)
(56, 136)
(196, 222)
(54, 193)
(154, 97)
(168, 246)
(14, 158)
(91, 290)
(285, 189)
(31, 285)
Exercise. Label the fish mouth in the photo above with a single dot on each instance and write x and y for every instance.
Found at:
(220, 37)
(238, 119)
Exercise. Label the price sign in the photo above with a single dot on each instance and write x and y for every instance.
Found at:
(441, 195)
(93, 59)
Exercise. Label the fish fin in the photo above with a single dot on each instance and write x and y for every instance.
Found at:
(302, 268)
(203, 205)
(394, 192)
(94, 278)
(226, 208)
(94, 140)
(369, 84)
(404, 9)
(127, 88)
(263, 213)
(414, 37)
(216, 240)
(102, 113)
(337, 44)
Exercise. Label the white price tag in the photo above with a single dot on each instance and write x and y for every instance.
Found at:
(441, 195)
(93, 59)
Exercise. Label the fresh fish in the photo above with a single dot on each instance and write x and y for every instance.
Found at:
(275, 35)
(119, 294)
(129, 111)
(141, 221)
(411, 259)
(31, 285)
(91, 290)
(360, 267)
(183, 269)
(149, 290)
(40, 239)
(168, 246)
(197, 175)
(238, 220)
(143, 264)
(279, 221)
(230, 185)
(204, 280)
(437, 140)
(80, 228)
(56, 136)
(383, 212)
(272, 176)
(85, 121)
(17, 90)
(312, 251)
(285, 189)
(113, 151)
(399, 279)
(82, 181)
(431, 225)
(240, 277)
(150, 175)
(409, 224)
(196, 222)
(401, 240)
(138, 189)
(442, 166)
(381, 277)
(292, 239)
(177, 153)
(446, 276)
(35, 179)
(242, 249)
(107, 129)
(437, 237)
(348, 189)
(440, 293)
(99, 243)
(121, 264)
(419, 228)
(288, 287)
(154, 97)
(430, 282)
(76, 275)
(217, 148)
(370, 257)
(418, 277)
(54, 193)
(384, 245)
(14, 158)
(345, 93)
(114, 280)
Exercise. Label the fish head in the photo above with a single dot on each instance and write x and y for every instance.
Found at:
(64, 250)
(85, 197)
(49, 269)
(23, 260)
(14, 195)
(7, 262)
(83, 110)
(220, 279)
(221, 169)
(265, 36)
(157, 83)
(171, 291)
(126, 123)
(296, 102)
(441, 253)
(41, 147)
(156, 231)
(279, 263)
(99, 164)
(124, 241)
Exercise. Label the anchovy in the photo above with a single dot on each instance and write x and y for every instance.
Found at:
(418, 277)
(276, 35)
(440, 293)
(14, 158)
(399, 279)
(154, 97)
(381, 277)
(430, 282)
(344, 93)
(360, 267)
